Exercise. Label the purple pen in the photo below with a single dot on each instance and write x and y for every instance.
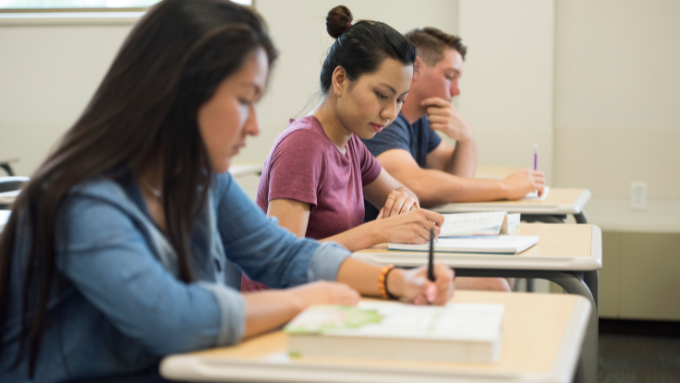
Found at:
(535, 156)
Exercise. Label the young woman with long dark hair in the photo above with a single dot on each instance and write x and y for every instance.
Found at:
(130, 238)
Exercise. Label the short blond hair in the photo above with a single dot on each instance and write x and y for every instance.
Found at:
(430, 44)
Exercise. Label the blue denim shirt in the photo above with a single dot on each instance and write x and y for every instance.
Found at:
(117, 305)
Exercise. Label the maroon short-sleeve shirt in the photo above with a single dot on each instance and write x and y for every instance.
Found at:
(304, 165)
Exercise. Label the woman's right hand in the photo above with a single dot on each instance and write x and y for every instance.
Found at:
(412, 227)
(325, 293)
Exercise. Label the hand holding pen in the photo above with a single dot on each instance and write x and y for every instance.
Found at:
(425, 285)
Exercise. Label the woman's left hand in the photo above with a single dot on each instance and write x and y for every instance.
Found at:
(413, 286)
(398, 202)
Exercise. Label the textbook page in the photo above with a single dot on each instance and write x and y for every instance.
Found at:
(492, 223)
(463, 333)
(457, 321)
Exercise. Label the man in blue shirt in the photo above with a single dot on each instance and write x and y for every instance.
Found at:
(411, 151)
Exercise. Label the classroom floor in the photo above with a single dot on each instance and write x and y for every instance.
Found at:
(639, 351)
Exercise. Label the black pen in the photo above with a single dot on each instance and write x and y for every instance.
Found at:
(430, 261)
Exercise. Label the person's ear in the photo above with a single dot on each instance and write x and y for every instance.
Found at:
(339, 80)
(417, 67)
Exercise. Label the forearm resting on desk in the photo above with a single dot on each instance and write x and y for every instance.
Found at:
(435, 187)
(266, 310)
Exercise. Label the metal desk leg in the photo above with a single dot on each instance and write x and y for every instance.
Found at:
(581, 217)
(531, 218)
(592, 280)
(586, 371)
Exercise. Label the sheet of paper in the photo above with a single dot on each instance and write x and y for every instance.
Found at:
(534, 195)
(472, 223)
(494, 244)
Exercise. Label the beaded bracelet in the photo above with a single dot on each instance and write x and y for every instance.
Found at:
(382, 282)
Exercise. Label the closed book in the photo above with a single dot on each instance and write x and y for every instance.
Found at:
(391, 330)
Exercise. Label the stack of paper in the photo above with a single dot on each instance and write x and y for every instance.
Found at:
(496, 244)
(492, 223)
(390, 330)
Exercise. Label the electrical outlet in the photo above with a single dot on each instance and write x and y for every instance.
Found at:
(638, 195)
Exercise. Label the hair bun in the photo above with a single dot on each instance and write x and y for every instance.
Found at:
(338, 20)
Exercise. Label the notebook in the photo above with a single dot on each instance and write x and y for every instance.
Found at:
(491, 223)
(495, 244)
(392, 330)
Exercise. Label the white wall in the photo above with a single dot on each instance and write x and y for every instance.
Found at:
(47, 75)
(298, 28)
(617, 108)
(507, 84)
(594, 82)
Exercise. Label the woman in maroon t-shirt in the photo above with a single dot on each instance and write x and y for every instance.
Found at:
(318, 172)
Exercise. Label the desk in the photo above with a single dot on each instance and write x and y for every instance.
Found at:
(558, 201)
(4, 164)
(568, 255)
(542, 337)
(237, 170)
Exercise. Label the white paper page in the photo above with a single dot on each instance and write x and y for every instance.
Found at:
(4, 217)
(513, 222)
(473, 322)
(534, 195)
(484, 242)
(472, 223)
(495, 244)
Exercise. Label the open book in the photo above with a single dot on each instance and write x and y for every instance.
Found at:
(494, 244)
(391, 330)
(493, 223)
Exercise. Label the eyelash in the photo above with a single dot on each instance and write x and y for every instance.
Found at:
(383, 97)
(244, 102)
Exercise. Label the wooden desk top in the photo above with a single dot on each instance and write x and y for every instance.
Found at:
(568, 247)
(558, 201)
(541, 342)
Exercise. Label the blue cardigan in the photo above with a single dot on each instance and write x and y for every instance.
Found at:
(117, 305)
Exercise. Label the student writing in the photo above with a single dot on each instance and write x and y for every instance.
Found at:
(318, 171)
(128, 241)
